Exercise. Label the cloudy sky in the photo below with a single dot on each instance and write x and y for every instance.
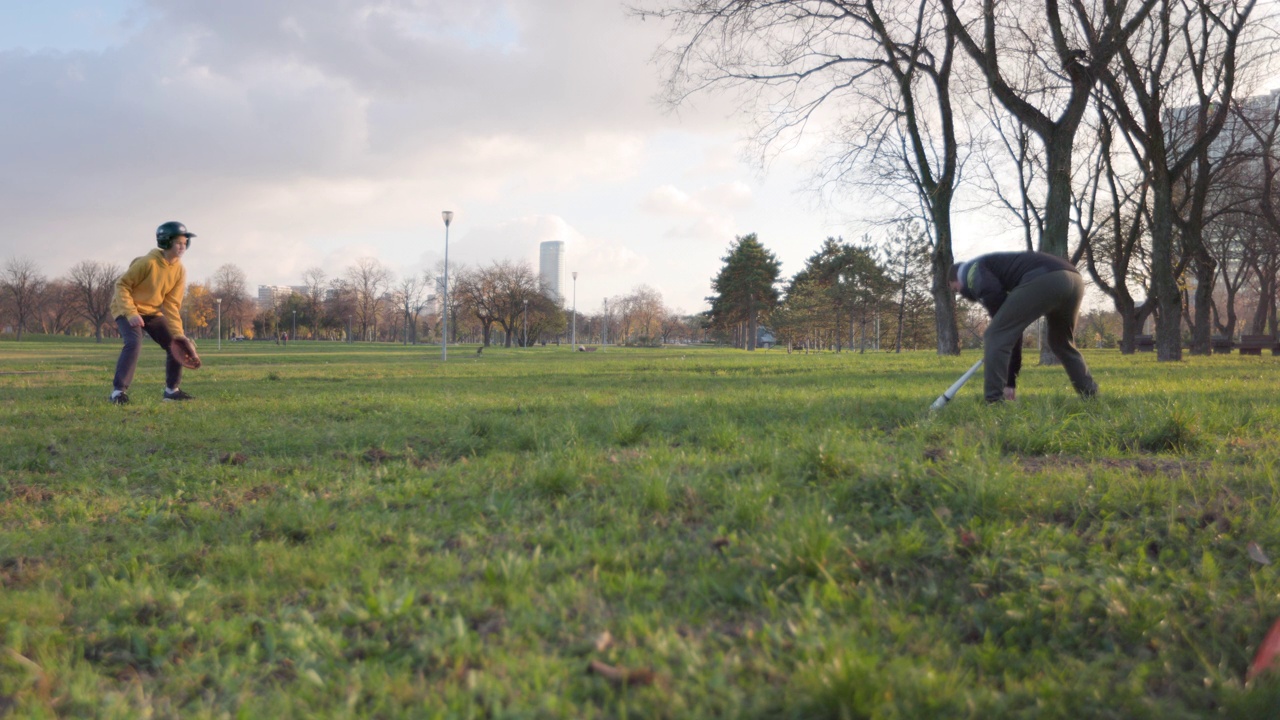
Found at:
(294, 133)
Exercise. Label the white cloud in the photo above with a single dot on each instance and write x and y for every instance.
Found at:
(670, 200)
(736, 194)
(293, 133)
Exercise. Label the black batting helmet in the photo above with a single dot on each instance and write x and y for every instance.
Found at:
(170, 230)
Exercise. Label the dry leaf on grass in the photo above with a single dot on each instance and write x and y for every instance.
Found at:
(1257, 555)
(621, 676)
(1267, 651)
(603, 641)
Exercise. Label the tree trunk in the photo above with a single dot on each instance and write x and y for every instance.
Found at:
(944, 299)
(1057, 209)
(1206, 270)
(1128, 330)
(1163, 283)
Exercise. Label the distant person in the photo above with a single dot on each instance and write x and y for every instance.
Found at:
(148, 299)
(1017, 288)
(284, 338)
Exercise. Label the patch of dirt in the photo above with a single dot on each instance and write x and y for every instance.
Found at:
(1216, 512)
(233, 459)
(1168, 467)
(260, 492)
(490, 622)
(376, 456)
(18, 571)
(935, 454)
(29, 494)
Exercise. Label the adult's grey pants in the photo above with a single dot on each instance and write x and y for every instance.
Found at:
(1056, 296)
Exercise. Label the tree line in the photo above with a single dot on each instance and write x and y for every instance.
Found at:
(857, 296)
(501, 302)
(1125, 135)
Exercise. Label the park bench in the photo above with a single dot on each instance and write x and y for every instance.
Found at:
(1221, 344)
(1144, 343)
(1255, 344)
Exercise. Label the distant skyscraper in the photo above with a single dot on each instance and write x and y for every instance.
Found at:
(273, 295)
(551, 268)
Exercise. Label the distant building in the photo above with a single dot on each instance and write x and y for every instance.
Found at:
(551, 268)
(273, 295)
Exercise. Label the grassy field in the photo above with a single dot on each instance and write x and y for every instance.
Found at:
(355, 531)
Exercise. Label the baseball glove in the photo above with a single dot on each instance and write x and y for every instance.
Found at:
(184, 351)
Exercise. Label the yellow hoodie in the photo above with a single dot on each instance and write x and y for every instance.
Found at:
(152, 286)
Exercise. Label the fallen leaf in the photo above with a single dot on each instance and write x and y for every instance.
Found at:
(719, 544)
(1267, 651)
(603, 641)
(621, 676)
(1256, 554)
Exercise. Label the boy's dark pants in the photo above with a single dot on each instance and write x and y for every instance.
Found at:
(1056, 296)
(155, 326)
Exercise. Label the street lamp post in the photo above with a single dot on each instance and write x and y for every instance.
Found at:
(444, 312)
(219, 323)
(574, 342)
(525, 322)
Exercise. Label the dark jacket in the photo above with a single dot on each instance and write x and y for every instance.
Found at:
(989, 279)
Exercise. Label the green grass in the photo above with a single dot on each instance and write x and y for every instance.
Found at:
(354, 531)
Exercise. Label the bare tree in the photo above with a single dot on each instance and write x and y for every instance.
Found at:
(339, 307)
(883, 68)
(1261, 252)
(314, 280)
(22, 287)
(435, 279)
(476, 290)
(545, 318)
(675, 326)
(516, 284)
(94, 285)
(1172, 93)
(1074, 52)
(1231, 244)
(1016, 146)
(231, 285)
(1111, 226)
(368, 280)
(646, 314)
(57, 309)
(410, 297)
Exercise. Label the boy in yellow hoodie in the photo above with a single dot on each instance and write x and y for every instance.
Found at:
(149, 298)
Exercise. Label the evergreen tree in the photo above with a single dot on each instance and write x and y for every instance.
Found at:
(744, 288)
(839, 283)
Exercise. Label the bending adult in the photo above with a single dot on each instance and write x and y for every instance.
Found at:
(1017, 288)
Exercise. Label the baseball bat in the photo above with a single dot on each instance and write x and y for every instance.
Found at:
(945, 397)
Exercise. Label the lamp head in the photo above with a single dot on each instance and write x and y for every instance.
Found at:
(448, 217)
